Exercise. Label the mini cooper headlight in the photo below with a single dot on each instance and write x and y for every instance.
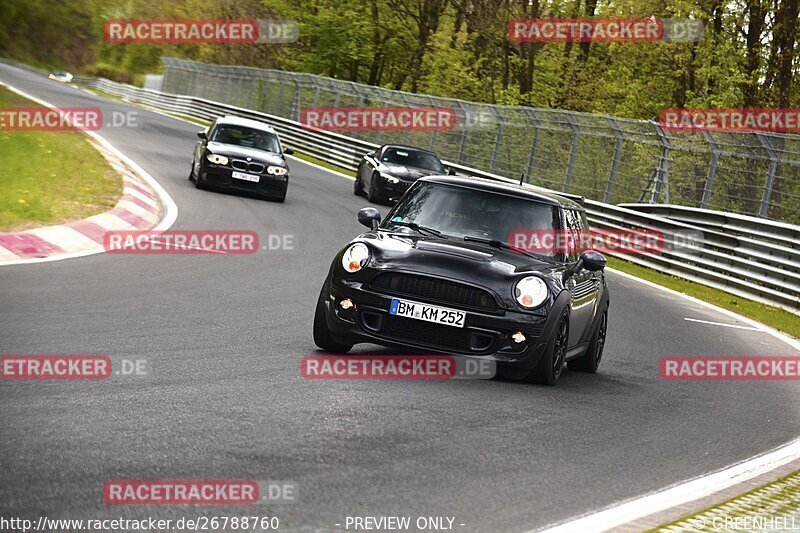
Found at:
(530, 292)
(278, 171)
(390, 179)
(355, 257)
(217, 159)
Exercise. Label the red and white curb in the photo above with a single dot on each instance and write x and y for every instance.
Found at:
(144, 206)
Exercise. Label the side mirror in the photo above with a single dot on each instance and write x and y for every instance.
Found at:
(369, 217)
(202, 135)
(593, 261)
(288, 151)
(589, 260)
(450, 171)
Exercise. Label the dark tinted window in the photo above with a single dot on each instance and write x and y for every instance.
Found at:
(577, 233)
(460, 212)
(412, 158)
(247, 137)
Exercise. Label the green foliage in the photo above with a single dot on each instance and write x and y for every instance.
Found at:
(454, 48)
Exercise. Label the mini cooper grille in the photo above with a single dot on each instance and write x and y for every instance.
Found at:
(415, 331)
(238, 164)
(434, 289)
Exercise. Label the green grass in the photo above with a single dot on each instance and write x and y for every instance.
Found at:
(775, 499)
(50, 177)
(775, 317)
(320, 162)
(103, 94)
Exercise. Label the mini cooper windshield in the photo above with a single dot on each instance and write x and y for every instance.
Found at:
(247, 137)
(459, 212)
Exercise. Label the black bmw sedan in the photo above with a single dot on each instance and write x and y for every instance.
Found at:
(440, 275)
(243, 155)
(385, 174)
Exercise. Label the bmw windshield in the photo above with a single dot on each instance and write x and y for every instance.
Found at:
(246, 137)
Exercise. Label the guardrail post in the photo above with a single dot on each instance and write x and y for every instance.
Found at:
(573, 152)
(432, 144)
(615, 161)
(497, 141)
(662, 171)
(408, 105)
(712, 170)
(384, 103)
(534, 144)
(360, 104)
(774, 159)
(280, 98)
(462, 143)
(313, 80)
(294, 112)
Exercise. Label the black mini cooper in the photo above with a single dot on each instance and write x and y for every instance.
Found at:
(440, 275)
(243, 155)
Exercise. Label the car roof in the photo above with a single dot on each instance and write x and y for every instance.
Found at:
(249, 123)
(527, 191)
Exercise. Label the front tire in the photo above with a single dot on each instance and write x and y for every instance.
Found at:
(589, 361)
(551, 366)
(372, 192)
(358, 188)
(322, 335)
(197, 183)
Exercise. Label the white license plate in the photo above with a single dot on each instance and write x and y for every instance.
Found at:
(246, 177)
(429, 313)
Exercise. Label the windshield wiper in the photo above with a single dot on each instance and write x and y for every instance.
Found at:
(504, 245)
(421, 229)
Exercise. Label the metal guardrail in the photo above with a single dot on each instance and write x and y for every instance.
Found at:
(754, 258)
(604, 158)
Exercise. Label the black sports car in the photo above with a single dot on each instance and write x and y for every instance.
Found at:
(439, 275)
(243, 155)
(385, 174)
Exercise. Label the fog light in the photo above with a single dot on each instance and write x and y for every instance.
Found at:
(518, 337)
(346, 303)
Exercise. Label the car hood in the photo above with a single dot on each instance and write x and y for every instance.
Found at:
(241, 152)
(472, 263)
(406, 173)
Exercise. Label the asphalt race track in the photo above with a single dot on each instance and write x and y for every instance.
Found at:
(223, 399)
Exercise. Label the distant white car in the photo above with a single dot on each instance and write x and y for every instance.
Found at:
(63, 77)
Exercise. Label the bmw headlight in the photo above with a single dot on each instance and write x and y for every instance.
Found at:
(390, 179)
(217, 159)
(530, 292)
(277, 171)
(355, 257)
